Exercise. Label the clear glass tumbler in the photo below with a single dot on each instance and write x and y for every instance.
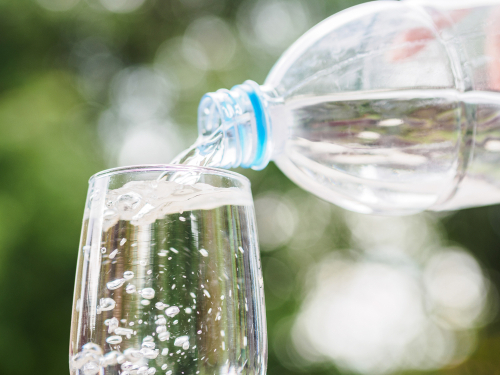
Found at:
(168, 278)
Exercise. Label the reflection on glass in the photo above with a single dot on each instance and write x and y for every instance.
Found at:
(168, 276)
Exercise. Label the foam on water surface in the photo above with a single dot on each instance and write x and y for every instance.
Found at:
(144, 202)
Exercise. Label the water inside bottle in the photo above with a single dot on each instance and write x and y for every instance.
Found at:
(394, 151)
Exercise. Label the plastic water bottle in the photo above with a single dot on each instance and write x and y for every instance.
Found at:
(387, 107)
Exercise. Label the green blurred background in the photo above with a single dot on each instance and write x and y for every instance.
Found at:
(91, 84)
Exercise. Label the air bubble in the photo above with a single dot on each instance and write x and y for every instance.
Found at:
(128, 202)
(122, 242)
(127, 275)
(90, 347)
(145, 302)
(160, 305)
(164, 367)
(172, 311)
(130, 289)
(181, 340)
(115, 284)
(114, 340)
(148, 293)
(163, 336)
(106, 304)
(204, 252)
(161, 321)
(113, 254)
(112, 325)
(150, 353)
(148, 345)
(161, 329)
(103, 250)
(91, 368)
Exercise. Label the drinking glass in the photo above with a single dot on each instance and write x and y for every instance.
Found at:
(168, 278)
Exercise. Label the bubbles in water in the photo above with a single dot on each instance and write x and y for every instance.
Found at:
(181, 340)
(150, 353)
(90, 347)
(128, 202)
(148, 339)
(122, 242)
(130, 288)
(185, 346)
(148, 345)
(160, 305)
(103, 250)
(111, 358)
(112, 325)
(163, 336)
(106, 304)
(91, 368)
(132, 355)
(161, 321)
(148, 293)
(127, 275)
(188, 310)
(172, 311)
(151, 371)
(114, 340)
(115, 284)
(124, 331)
(204, 252)
(145, 302)
(169, 372)
(143, 262)
(205, 292)
(164, 367)
(164, 351)
(163, 253)
(161, 329)
(113, 254)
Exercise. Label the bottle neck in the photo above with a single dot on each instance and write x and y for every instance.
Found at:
(241, 115)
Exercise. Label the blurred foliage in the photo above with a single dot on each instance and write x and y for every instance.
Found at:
(60, 60)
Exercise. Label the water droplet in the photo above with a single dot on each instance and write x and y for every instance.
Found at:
(130, 288)
(222, 297)
(127, 275)
(179, 341)
(188, 310)
(113, 254)
(204, 252)
(199, 332)
(192, 295)
(148, 344)
(114, 340)
(182, 218)
(149, 272)
(169, 372)
(91, 368)
(185, 346)
(163, 253)
(163, 336)
(241, 249)
(103, 250)
(173, 287)
(174, 250)
(151, 371)
(172, 311)
(205, 292)
(122, 242)
(164, 367)
(128, 202)
(112, 325)
(164, 351)
(115, 284)
(160, 305)
(145, 302)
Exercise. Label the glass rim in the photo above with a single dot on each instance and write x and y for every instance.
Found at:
(168, 168)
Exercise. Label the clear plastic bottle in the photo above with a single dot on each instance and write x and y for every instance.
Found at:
(387, 107)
